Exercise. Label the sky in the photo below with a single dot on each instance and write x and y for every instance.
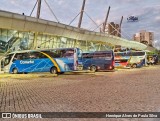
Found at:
(147, 11)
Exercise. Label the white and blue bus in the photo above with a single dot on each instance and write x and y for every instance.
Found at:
(132, 59)
(48, 60)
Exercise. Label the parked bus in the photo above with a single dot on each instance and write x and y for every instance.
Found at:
(49, 60)
(132, 59)
(122, 60)
(99, 60)
(152, 59)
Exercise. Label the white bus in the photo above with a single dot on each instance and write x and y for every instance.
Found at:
(48, 60)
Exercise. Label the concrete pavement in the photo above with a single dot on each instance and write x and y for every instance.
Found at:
(134, 90)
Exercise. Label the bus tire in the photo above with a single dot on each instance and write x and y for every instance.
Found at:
(53, 70)
(93, 68)
(134, 65)
(15, 71)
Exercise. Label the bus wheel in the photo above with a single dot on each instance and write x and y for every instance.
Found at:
(15, 71)
(93, 68)
(53, 70)
(134, 65)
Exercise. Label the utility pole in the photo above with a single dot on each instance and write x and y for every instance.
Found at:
(39, 8)
(81, 15)
(105, 22)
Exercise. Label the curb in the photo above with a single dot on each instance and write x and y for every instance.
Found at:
(79, 72)
(26, 75)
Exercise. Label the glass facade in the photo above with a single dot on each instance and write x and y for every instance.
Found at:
(11, 40)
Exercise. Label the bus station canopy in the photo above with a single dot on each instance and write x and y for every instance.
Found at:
(20, 22)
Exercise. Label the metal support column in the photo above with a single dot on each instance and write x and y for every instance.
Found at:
(105, 22)
(36, 33)
(39, 8)
(81, 15)
(119, 29)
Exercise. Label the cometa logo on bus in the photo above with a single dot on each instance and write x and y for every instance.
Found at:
(26, 62)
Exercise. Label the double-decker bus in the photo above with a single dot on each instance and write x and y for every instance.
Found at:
(98, 60)
(132, 59)
(48, 60)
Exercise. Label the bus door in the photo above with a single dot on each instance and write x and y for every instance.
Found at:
(87, 60)
(71, 58)
(78, 62)
(7, 62)
(75, 57)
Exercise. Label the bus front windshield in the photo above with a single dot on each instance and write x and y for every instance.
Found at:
(61, 53)
(7, 59)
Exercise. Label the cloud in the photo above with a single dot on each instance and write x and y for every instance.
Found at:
(157, 19)
(129, 1)
(61, 2)
(13, 2)
(99, 21)
(149, 20)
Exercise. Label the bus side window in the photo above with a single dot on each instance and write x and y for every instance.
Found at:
(25, 56)
(62, 53)
(51, 53)
(100, 55)
(34, 55)
(18, 56)
(68, 53)
(90, 55)
(57, 54)
(87, 55)
(41, 55)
